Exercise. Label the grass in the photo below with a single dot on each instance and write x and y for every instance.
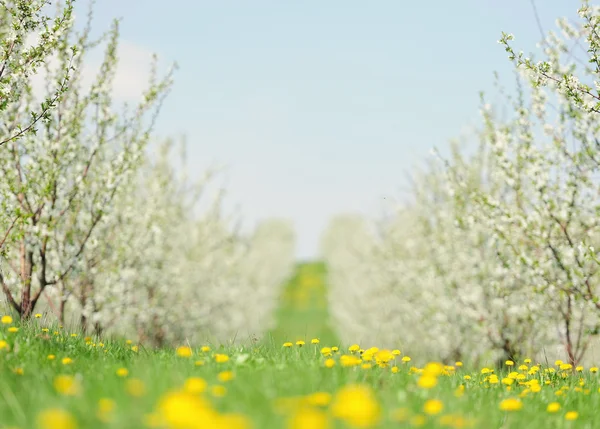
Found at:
(272, 386)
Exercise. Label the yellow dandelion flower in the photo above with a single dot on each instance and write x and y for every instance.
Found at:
(288, 344)
(315, 341)
(329, 363)
(106, 407)
(509, 363)
(511, 404)
(571, 415)
(6, 320)
(433, 407)
(427, 381)
(406, 359)
(51, 357)
(4, 345)
(335, 349)
(184, 351)
(326, 351)
(553, 407)
(13, 329)
(356, 405)
(349, 360)
(458, 364)
(122, 372)
(205, 349)
(221, 358)
(38, 315)
(67, 361)
(135, 387)
(218, 391)
(225, 376)
(309, 418)
(319, 399)
(594, 369)
(195, 385)
(396, 352)
(354, 348)
(300, 343)
(56, 418)
(66, 385)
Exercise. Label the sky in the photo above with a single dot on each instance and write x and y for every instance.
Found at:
(318, 108)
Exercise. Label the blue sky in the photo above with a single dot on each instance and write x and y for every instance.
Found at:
(320, 108)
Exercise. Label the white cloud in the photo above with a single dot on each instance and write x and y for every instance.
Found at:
(131, 77)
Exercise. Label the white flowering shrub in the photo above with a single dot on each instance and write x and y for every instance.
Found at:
(20, 19)
(102, 233)
(59, 184)
(496, 254)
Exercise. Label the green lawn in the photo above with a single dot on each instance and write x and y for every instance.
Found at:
(90, 384)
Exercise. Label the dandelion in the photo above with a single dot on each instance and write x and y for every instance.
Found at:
(226, 376)
(106, 407)
(56, 418)
(458, 364)
(6, 320)
(218, 391)
(51, 357)
(527, 361)
(335, 349)
(509, 363)
(427, 381)
(195, 385)
(221, 358)
(122, 372)
(38, 315)
(356, 406)
(579, 369)
(433, 407)
(135, 387)
(66, 385)
(300, 343)
(329, 363)
(287, 345)
(67, 361)
(13, 329)
(314, 341)
(354, 348)
(511, 404)
(184, 351)
(205, 349)
(326, 351)
(406, 359)
(571, 415)
(309, 418)
(4, 345)
(135, 349)
(553, 407)
(349, 360)
(383, 357)
(319, 399)
(594, 369)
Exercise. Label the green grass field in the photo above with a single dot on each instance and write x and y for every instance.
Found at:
(51, 378)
